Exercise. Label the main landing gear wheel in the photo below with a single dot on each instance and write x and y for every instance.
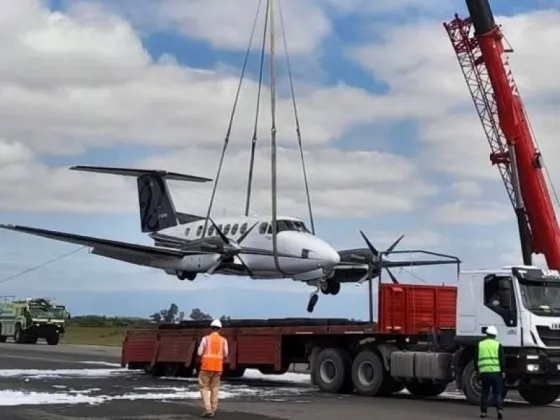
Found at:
(330, 288)
(312, 302)
(186, 275)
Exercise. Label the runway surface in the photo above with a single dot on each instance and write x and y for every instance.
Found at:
(85, 382)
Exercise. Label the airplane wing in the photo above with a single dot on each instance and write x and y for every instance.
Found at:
(123, 251)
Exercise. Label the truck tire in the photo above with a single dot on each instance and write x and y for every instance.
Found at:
(425, 390)
(540, 396)
(369, 376)
(235, 373)
(3, 338)
(32, 339)
(332, 371)
(53, 339)
(470, 385)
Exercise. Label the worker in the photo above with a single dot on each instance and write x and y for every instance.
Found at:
(213, 350)
(490, 365)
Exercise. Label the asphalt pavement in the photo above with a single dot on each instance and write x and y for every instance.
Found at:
(85, 382)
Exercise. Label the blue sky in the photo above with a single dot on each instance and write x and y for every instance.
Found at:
(378, 91)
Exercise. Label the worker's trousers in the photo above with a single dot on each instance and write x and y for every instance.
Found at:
(495, 382)
(209, 384)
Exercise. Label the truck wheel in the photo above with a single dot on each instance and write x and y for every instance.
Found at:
(425, 390)
(3, 338)
(18, 335)
(470, 384)
(369, 376)
(235, 373)
(540, 396)
(53, 340)
(332, 371)
(32, 339)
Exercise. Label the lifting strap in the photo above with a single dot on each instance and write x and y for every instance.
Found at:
(228, 133)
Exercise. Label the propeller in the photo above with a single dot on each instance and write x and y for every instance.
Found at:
(231, 248)
(376, 260)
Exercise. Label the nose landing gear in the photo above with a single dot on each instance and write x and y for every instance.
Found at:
(328, 287)
(313, 299)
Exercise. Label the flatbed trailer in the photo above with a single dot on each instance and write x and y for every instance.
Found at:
(424, 340)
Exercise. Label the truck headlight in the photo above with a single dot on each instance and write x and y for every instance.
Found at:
(532, 368)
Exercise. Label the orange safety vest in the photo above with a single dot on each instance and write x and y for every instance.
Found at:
(213, 356)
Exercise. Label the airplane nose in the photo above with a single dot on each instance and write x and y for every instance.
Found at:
(330, 256)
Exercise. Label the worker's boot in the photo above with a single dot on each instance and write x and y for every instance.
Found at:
(500, 414)
(483, 415)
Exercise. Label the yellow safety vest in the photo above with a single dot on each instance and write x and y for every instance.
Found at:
(488, 356)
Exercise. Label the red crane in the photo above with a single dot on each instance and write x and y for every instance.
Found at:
(478, 43)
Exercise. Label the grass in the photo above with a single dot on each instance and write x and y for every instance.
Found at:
(99, 336)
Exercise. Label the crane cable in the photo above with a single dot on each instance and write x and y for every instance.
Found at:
(228, 133)
(296, 116)
(43, 264)
(254, 139)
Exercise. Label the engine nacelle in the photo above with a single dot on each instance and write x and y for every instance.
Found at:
(197, 263)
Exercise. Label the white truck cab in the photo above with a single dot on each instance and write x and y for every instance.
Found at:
(523, 302)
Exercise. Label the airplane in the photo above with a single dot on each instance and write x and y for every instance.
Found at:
(186, 245)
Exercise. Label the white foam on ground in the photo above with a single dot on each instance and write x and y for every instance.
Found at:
(60, 373)
(101, 363)
(299, 378)
(13, 398)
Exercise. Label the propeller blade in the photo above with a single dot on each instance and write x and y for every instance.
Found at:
(368, 276)
(393, 278)
(220, 233)
(392, 247)
(211, 270)
(245, 266)
(374, 251)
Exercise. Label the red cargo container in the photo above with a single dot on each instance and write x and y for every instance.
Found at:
(416, 309)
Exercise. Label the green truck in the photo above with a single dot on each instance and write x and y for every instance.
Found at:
(27, 320)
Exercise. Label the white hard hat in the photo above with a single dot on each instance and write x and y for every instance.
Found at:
(216, 324)
(491, 330)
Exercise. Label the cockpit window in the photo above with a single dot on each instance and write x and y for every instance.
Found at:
(289, 225)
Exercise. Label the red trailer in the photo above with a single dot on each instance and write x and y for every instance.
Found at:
(409, 315)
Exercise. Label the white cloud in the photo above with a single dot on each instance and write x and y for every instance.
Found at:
(225, 24)
(336, 181)
(472, 212)
(109, 91)
(426, 72)
(466, 189)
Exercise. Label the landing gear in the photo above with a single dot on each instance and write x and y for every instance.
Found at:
(182, 275)
(330, 287)
(312, 302)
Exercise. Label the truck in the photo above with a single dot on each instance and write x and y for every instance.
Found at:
(424, 340)
(27, 320)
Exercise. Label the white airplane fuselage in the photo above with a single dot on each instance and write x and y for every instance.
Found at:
(300, 255)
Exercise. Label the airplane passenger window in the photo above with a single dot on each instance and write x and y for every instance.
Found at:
(262, 228)
(211, 230)
(226, 229)
(187, 231)
(243, 229)
(199, 231)
(234, 229)
(221, 228)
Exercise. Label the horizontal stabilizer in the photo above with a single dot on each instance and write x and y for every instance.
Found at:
(174, 176)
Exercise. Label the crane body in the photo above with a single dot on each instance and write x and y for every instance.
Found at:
(483, 59)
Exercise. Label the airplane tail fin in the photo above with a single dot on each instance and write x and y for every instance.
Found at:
(157, 210)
